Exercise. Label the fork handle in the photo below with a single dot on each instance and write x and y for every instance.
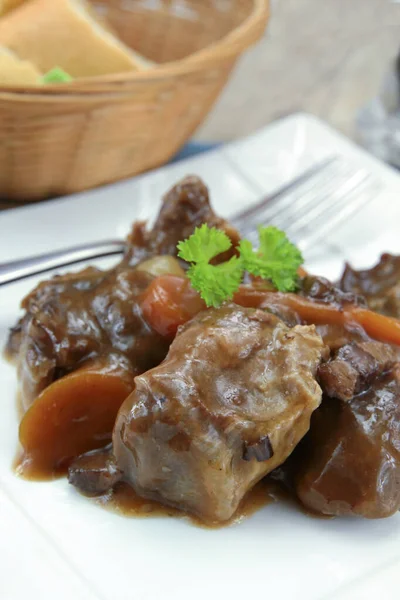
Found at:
(19, 269)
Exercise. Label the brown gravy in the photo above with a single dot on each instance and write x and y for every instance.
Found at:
(124, 501)
(24, 467)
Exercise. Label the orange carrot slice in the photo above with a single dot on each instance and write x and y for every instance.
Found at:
(379, 327)
(169, 302)
(73, 415)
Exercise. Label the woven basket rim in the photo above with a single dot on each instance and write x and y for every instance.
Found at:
(107, 87)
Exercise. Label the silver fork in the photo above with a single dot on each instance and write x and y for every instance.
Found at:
(308, 208)
(313, 205)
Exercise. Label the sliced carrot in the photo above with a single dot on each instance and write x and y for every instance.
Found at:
(73, 415)
(169, 302)
(379, 327)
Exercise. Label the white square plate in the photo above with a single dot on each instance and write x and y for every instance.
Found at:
(56, 544)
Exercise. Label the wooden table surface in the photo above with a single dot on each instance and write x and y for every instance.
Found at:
(326, 57)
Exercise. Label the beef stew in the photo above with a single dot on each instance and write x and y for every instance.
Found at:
(131, 380)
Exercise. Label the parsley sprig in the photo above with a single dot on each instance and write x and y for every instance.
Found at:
(276, 260)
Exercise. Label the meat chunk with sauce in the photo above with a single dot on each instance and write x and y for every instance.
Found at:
(354, 366)
(67, 323)
(94, 472)
(77, 317)
(185, 207)
(379, 285)
(230, 402)
(349, 462)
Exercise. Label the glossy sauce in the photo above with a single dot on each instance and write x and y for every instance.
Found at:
(124, 501)
(27, 469)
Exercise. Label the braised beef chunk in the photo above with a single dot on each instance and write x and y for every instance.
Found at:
(349, 463)
(354, 367)
(380, 285)
(94, 473)
(185, 207)
(230, 402)
(322, 290)
(75, 317)
(84, 280)
(70, 320)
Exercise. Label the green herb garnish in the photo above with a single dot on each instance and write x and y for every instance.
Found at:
(56, 75)
(215, 283)
(276, 260)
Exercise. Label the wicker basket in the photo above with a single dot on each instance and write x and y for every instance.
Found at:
(60, 140)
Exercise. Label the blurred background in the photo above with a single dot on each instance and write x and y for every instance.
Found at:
(326, 57)
(99, 91)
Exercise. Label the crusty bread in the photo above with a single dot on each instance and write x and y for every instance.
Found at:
(14, 71)
(6, 5)
(65, 33)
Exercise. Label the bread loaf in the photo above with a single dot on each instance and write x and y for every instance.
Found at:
(65, 33)
(17, 72)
